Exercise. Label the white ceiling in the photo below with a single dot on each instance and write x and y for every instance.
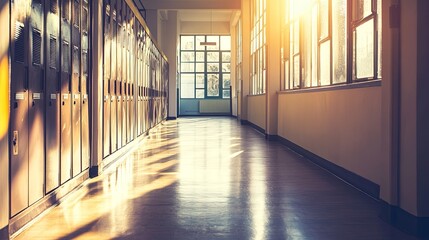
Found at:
(197, 10)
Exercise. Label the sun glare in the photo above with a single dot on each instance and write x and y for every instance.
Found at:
(298, 7)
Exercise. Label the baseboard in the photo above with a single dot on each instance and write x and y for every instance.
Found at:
(363, 184)
(22, 219)
(254, 126)
(405, 221)
(171, 118)
(4, 233)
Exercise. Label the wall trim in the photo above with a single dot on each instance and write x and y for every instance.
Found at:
(363, 184)
(4, 233)
(171, 118)
(405, 221)
(254, 126)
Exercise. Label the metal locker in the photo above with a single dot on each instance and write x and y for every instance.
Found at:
(76, 88)
(119, 71)
(113, 103)
(19, 109)
(128, 79)
(106, 84)
(52, 103)
(36, 111)
(132, 105)
(124, 73)
(65, 99)
(85, 84)
(138, 100)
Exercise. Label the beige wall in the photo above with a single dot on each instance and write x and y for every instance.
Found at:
(204, 28)
(342, 126)
(256, 110)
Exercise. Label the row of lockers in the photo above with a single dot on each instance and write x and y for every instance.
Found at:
(50, 85)
(135, 78)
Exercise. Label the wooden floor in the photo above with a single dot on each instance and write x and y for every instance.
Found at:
(211, 178)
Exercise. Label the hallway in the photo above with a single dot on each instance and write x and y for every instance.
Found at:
(211, 178)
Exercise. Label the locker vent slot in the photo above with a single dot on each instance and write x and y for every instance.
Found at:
(53, 52)
(19, 42)
(85, 20)
(66, 10)
(65, 61)
(76, 13)
(54, 6)
(37, 47)
(85, 62)
(75, 60)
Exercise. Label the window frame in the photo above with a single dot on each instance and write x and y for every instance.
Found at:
(205, 50)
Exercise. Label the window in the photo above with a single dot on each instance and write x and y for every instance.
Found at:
(205, 70)
(239, 55)
(315, 51)
(258, 47)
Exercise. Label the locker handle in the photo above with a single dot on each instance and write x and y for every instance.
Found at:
(26, 78)
(42, 80)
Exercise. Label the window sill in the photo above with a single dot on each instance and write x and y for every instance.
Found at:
(366, 84)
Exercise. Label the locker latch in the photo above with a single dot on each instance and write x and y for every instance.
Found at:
(15, 143)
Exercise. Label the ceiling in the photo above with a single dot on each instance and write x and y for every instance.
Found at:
(197, 10)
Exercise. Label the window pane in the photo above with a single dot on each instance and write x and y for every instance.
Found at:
(199, 67)
(296, 37)
(226, 94)
(187, 85)
(186, 67)
(187, 56)
(200, 56)
(212, 56)
(296, 72)
(200, 81)
(226, 80)
(379, 17)
(200, 39)
(212, 67)
(314, 48)
(225, 42)
(199, 93)
(213, 39)
(364, 50)
(362, 9)
(324, 18)
(213, 85)
(307, 51)
(187, 42)
(226, 57)
(339, 36)
(226, 67)
(325, 63)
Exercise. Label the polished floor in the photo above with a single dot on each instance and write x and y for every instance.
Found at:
(211, 178)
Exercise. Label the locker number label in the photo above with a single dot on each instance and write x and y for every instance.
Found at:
(19, 96)
(36, 96)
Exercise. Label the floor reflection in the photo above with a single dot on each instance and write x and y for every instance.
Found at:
(210, 178)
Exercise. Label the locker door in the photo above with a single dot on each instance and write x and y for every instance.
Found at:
(76, 88)
(119, 71)
(85, 85)
(36, 111)
(19, 110)
(52, 106)
(128, 80)
(66, 129)
(124, 73)
(113, 103)
(138, 79)
(106, 85)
